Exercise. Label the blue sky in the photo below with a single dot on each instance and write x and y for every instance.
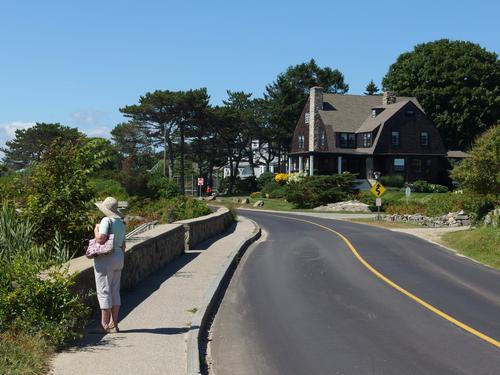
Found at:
(77, 62)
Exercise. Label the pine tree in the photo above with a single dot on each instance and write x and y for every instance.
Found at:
(371, 88)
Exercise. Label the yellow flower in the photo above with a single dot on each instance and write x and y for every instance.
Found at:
(281, 178)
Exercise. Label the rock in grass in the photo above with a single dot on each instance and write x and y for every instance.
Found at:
(258, 204)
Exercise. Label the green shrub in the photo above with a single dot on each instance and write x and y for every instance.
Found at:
(395, 180)
(135, 182)
(422, 186)
(14, 186)
(405, 208)
(105, 187)
(162, 187)
(263, 179)
(59, 195)
(274, 189)
(37, 304)
(477, 206)
(245, 185)
(255, 194)
(182, 208)
(169, 210)
(319, 190)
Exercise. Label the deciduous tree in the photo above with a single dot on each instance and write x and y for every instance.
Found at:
(457, 83)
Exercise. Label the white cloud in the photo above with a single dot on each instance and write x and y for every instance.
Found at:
(8, 129)
(99, 132)
(88, 118)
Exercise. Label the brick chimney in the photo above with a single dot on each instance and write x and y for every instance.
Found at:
(315, 105)
(389, 97)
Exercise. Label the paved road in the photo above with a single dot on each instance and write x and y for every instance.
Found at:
(302, 303)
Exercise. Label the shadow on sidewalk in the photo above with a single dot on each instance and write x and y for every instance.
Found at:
(134, 297)
(207, 243)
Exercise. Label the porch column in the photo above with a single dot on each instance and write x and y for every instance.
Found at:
(311, 165)
(339, 164)
(301, 164)
(289, 169)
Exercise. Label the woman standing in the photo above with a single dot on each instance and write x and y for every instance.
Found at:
(108, 268)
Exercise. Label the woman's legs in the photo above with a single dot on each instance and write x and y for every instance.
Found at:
(114, 316)
(105, 318)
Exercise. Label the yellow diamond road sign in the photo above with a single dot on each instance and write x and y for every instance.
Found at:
(378, 189)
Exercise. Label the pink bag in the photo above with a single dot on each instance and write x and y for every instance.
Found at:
(95, 249)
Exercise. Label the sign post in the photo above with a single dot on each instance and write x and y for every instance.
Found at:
(378, 190)
(407, 193)
(200, 184)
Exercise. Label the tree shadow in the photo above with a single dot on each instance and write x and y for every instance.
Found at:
(204, 245)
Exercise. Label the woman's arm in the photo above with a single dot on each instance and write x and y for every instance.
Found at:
(99, 237)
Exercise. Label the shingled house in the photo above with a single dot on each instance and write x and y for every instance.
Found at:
(363, 134)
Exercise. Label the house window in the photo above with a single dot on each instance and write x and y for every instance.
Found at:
(347, 140)
(374, 112)
(416, 165)
(306, 117)
(424, 138)
(367, 139)
(409, 113)
(395, 138)
(399, 165)
(301, 141)
(322, 138)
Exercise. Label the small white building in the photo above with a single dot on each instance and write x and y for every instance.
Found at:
(260, 154)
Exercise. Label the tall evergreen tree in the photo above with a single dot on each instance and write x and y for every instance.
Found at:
(29, 144)
(288, 93)
(371, 88)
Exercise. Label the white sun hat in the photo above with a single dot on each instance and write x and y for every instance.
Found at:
(109, 207)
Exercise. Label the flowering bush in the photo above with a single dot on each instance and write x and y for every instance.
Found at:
(281, 178)
(255, 194)
(296, 177)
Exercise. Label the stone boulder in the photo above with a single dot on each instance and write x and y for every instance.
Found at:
(348, 206)
(258, 204)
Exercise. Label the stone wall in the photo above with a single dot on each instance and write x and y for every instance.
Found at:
(202, 228)
(453, 219)
(150, 251)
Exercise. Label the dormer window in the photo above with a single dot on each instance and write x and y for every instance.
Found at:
(306, 117)
(347, 140)
(322, 138)
(376, 111)
(301, 141)
(367, 139)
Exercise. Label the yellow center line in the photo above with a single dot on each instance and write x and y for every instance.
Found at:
(399, 288)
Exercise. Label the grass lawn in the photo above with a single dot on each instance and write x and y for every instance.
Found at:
(385, 224)
(269, 204)
(21, 354)
(481, 244)
(394, 196)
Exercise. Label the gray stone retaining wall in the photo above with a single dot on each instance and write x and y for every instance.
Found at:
(151, 250)
(202, 228)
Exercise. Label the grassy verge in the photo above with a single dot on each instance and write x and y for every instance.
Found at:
(21, 354)
(269, 204)
(481, 244)
(385, 224)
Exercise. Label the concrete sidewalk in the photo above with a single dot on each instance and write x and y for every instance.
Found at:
(156, 316)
